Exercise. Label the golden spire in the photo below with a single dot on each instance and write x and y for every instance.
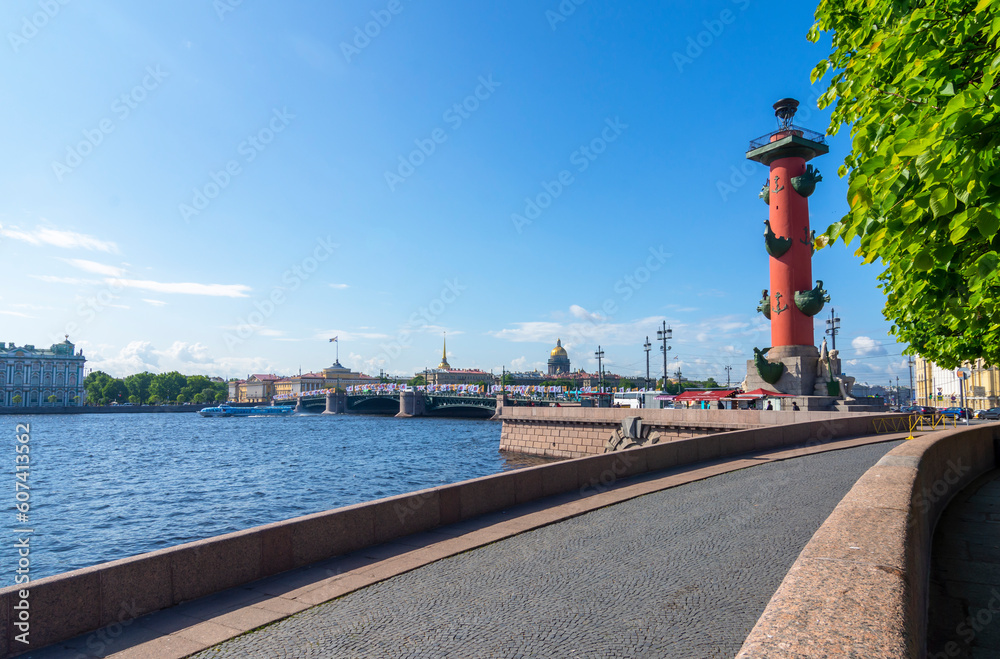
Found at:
(444, 354)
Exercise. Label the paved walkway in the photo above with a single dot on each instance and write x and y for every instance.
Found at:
(684, 572)
(964, 611)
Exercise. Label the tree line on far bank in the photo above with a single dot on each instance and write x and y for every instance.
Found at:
(153, 389)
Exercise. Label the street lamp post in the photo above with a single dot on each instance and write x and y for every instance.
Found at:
(646, 346)
(910, 363)
(600, 371)
(833, 327)
(664, 335)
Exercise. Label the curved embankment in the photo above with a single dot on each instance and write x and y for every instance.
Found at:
(81, 601)
(859, 588)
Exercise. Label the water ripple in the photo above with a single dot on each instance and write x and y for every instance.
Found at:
(106, 487)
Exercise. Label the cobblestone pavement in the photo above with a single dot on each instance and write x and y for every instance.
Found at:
(680, 573)
(964, 606)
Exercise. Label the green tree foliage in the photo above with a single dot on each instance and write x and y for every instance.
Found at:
(625, 383)
(507, 380)
(208, 395)
(53, 398)
(917, 83)
(94, 385)
(166, 386)
(138, 387)
(17, 399)
(114, 391)
(710, 383)
(195, 384)
(417, 381)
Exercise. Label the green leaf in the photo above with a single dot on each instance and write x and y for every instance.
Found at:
(988, 224)
(947, 90)
(910, 147)
(942, 202)
(923, 261)
(987, 264)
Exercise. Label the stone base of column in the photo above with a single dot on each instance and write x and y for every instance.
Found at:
(799, 378)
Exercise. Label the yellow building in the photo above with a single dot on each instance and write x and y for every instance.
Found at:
(445, 374)
(940, 387)
(299, 384)
(257, 388)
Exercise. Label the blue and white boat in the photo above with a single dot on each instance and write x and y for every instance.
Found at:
(260, 410)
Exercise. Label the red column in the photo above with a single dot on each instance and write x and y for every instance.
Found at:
(789, 216)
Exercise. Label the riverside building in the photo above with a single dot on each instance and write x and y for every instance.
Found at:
(31, 376)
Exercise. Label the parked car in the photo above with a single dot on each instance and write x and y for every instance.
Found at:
(920, 409)
(993, 413)
(978, 414)
(957, 413)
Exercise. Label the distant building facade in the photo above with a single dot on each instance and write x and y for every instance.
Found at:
(457, 376)
(558, 360)
(445, 374)
(940, 387)
(37, 374)
(261, 388)
(257, 388)
(299, 384)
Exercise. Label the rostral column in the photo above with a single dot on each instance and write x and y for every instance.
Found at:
(792, 300)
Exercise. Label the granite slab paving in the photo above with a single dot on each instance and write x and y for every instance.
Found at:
(964, 606)
(683, 572)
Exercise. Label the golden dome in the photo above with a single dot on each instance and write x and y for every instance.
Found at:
(558, 351)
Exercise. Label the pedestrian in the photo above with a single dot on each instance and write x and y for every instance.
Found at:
(769, 406)
(795, 406)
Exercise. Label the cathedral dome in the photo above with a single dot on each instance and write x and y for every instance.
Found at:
(558, 351)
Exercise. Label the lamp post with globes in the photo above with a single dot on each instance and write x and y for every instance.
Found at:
(646, 346)
(664, 335)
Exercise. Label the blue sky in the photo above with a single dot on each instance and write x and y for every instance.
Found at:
(219, 187)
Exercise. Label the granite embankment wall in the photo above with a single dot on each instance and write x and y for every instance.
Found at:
(78, 602)
(572, 432)
(101, 409)
(860, 586)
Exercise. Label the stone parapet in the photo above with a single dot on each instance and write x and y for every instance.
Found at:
(571, 432)
(860, 586)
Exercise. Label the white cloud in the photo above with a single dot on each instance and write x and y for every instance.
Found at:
(58, 238)
(263, 331)
(136, 357)
(95, 268)
(339, 287)
(32, 307)
(213, 290)
(192, 353)
(155, 303)
(866, 346)
(583, 314)
(73, 281)
(16, 313)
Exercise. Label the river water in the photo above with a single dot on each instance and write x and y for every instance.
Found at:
(108, 486)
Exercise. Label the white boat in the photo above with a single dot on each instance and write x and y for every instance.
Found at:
(260, 410)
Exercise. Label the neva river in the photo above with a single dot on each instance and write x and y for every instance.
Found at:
(108, 486)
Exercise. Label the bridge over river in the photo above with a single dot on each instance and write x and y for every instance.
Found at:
(411, 404)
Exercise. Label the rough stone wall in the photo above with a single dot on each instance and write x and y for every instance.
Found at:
(576, 432)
